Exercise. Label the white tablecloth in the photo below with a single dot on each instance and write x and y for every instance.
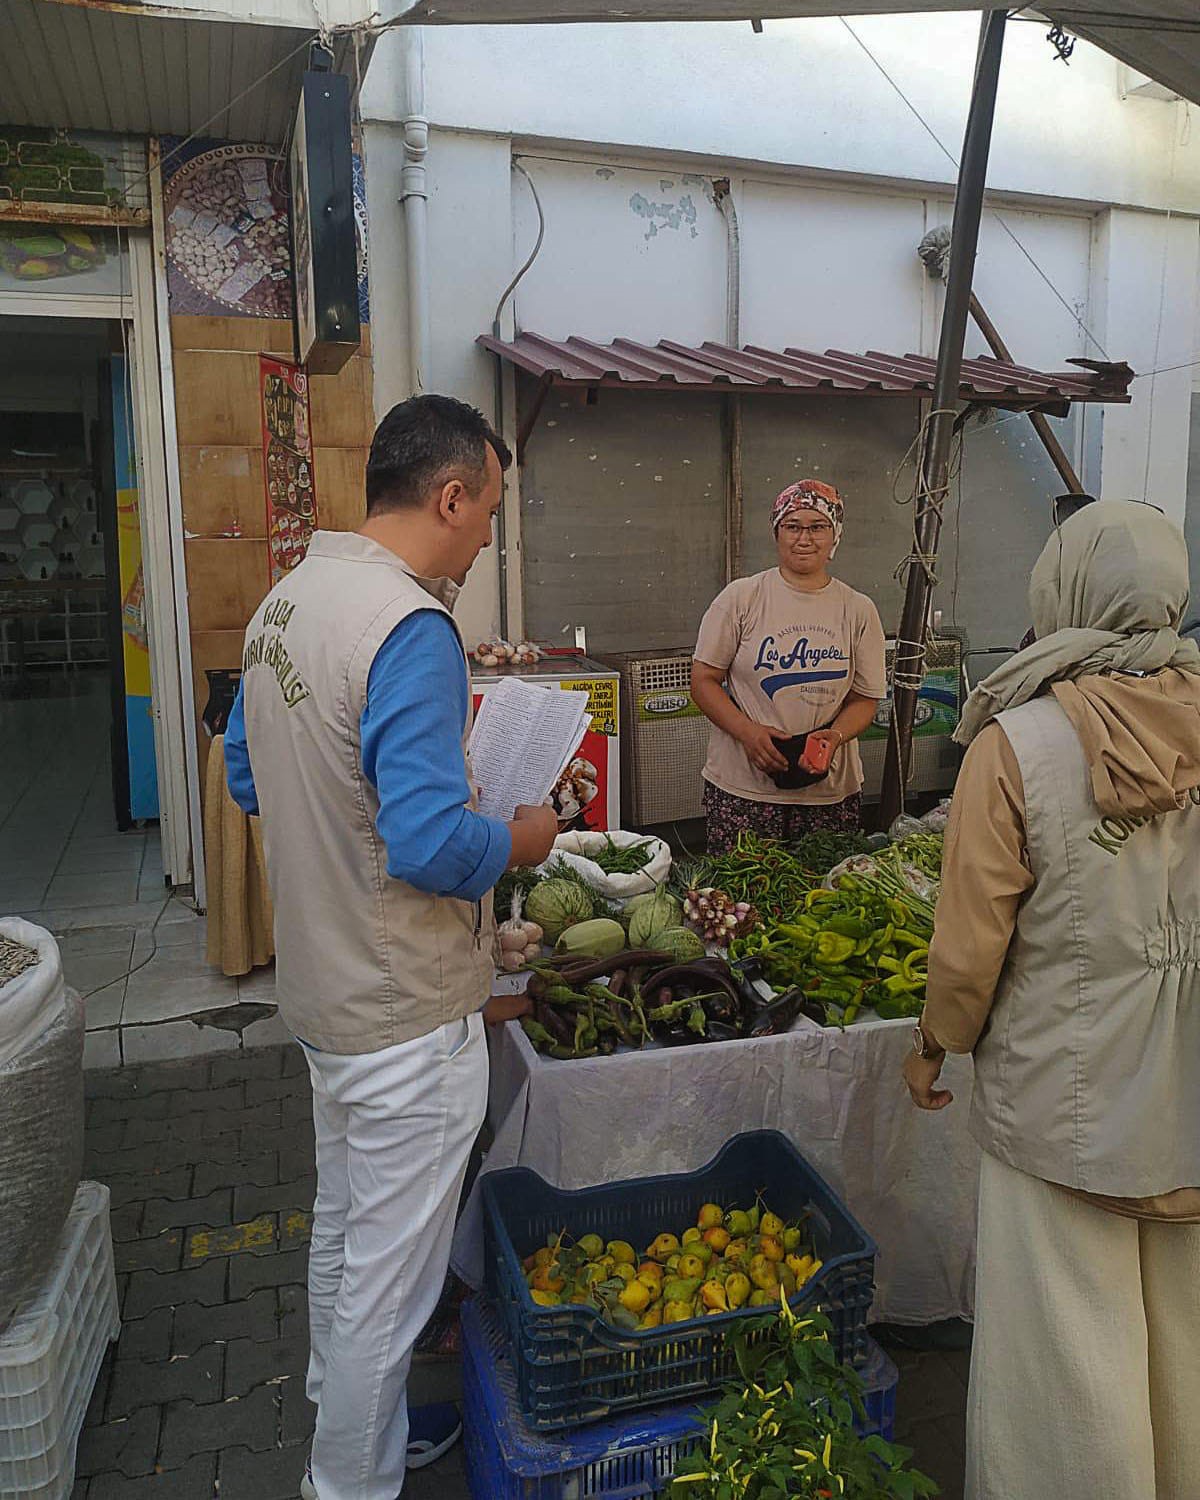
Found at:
(910, 1177)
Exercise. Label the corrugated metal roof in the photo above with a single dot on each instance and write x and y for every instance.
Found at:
(629, 365)
(88, 67)
(1158, 37)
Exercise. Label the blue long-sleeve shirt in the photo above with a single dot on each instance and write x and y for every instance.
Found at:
(412, 727)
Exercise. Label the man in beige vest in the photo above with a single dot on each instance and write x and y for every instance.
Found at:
(1066, 957)
(349, 737)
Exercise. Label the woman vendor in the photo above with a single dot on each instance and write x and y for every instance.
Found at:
(788, 654)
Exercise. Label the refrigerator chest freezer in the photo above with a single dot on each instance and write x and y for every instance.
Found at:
(589, 795)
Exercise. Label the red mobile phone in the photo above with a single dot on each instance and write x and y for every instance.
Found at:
(817, 755)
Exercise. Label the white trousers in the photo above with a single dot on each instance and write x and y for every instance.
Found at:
(394, 1130)
(1085, 1370)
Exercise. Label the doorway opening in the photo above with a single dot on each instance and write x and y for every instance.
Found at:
(79, 802)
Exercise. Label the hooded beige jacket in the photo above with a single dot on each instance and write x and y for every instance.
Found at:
(1054, 904)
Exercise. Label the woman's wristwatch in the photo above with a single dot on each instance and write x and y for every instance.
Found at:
(923, 1047)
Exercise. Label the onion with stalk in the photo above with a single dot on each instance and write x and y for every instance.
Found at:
(717, 917)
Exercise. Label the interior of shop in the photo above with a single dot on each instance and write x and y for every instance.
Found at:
(78, 806)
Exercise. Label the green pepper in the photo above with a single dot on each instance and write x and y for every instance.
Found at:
(889, 965)
(916, 964)
(851, 926)
(900, 984)
(818, 896)
(833, 948)
(910, 939)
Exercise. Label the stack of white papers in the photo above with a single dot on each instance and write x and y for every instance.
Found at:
(524, 738)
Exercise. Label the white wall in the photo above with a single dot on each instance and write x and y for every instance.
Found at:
(805, 94)
(624, 128)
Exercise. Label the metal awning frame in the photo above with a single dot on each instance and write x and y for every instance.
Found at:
(982, 387)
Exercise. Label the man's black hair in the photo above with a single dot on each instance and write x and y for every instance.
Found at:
(423, 439)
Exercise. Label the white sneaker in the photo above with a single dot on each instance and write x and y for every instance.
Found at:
(307, 1488)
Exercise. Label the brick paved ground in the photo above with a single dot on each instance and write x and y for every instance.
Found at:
(210, 1167)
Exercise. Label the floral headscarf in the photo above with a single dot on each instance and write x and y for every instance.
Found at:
(809, 494)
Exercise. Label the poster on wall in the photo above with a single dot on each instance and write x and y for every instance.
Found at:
(135, 646)
(228, 229)
(68, 260)
(99, 177)
(287, 463)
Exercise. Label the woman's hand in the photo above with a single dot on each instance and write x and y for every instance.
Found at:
(760, 745)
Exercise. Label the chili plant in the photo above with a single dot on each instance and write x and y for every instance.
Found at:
(786, 1431)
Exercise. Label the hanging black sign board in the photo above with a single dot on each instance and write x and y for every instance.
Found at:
(324, 255)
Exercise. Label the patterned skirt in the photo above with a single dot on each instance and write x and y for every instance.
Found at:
(727, 816)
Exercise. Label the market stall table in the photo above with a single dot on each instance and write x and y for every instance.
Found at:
(908, 1176)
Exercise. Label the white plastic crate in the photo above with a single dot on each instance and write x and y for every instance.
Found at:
(51, 1352)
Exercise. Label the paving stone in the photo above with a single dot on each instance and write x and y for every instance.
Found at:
(298, 1158)
(127, 1083)
(228, 1096)
(160, 1252)
(295, 1229)
(163, 1156)
(297, 1109)
(127, 1187)
(258, 1090)
(261, 1062)
(252, 1318)
(126, 1222)
(274, 1475)
(130, 1446)
(262, 1171)
(257, 1236)
(146, 1338)
(294, 1061)
(151, 1289)
(129, 1107)
(214, 1210)
(99, 1398)
(297, 1413)
(196, 1480)
(293, 1309)
(102, 1139)
(138, 1382)
(247, 1422)
(207, 1124)
(249, 1272)
(248, 1363)
(249, 1202)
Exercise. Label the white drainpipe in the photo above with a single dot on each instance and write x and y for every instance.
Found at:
(414, 197)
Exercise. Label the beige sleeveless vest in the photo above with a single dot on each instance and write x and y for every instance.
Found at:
(1088, 1073)
(363, 961)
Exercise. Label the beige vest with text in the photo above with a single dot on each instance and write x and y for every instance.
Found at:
(363, 961)
(1088, 1073)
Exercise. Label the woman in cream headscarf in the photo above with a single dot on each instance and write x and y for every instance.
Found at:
(1066, 956)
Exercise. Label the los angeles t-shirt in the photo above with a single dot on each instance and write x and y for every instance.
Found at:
(790, 659)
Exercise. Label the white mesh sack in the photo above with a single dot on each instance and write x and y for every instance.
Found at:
(41, 1111)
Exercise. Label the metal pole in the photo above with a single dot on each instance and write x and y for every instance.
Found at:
(1041, 426)
(908, 667)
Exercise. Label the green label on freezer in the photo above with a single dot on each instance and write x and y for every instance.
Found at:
(937, 708)
(666, 704)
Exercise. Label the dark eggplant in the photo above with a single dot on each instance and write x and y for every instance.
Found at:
(777, 1017)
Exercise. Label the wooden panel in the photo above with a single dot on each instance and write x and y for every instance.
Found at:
(339, 474)
(227, 581)
(217, 399)
(250, 335)
(211, 649)
(223, 491)
(341, 406)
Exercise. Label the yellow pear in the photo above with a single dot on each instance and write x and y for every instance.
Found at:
(710, 1215)
(737, 1289)
(636, 1297)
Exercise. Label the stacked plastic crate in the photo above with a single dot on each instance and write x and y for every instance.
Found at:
(560, 1405)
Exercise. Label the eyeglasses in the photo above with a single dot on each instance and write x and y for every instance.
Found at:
(819, 530)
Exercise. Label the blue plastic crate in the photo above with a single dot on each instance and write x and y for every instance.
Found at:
(627, 1458)
(572, 1366)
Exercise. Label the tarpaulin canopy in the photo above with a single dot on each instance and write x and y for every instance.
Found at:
(1160, 38)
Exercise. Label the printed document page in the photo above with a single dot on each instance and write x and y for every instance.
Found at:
(524, 738)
